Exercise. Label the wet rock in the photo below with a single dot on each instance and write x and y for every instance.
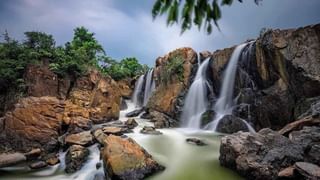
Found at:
(207, 117)
(75, 158)
(38, 165)
(84, 138)
(118, 131)
(204, 55)
(131, 123)
(231, 124)
(134, 113)
(195, 141)
(52, 161)
(308, 170)
(33, 153)
(125, 159)
(7, 160)
(259, 155)
(162, 120)
(98, 165)
(150, 130)
(146, 115)
(99, 135)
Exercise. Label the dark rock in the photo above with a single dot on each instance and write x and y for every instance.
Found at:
(314, 154)
(260, 155)
(231, 124)
(196, 141)
(162, 120)
(38, 165)
(98, 165)
(131, 123)
(124, 159)
(134, 113)
(307, 137)
(7, 160)
(207, 117)
(146, 115)
(150, 130)
(308, 170)
(75, 158)
(123, 104)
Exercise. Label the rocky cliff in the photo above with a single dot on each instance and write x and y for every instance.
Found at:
(53, 106)
(278, 76)
(173, 74)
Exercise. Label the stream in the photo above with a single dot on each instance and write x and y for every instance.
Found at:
(182, 160)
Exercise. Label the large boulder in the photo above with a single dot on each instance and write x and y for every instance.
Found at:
(171, 102)
(84, 138)
(11, 159)
(35, 122)
(268, 154)
(125, 159)
(230, 124)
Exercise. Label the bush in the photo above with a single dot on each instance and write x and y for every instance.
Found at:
(172, 68)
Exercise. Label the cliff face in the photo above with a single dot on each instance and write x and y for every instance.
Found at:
(55, 105)
(278, 76)
(168, 95)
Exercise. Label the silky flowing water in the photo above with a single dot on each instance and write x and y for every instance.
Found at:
(182, 160)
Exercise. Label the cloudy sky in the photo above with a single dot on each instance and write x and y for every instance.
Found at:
(126, 29)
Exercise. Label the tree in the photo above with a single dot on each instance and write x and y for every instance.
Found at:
(38, 45)
(193, 12)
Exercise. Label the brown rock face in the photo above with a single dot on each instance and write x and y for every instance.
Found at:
(36, 120)
(84, 138)
(41, 81)
(125, 159)
(162, 99)
(125, 88)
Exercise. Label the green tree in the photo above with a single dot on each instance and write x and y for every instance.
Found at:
(192, 12)
(76, 56)
(38, 45)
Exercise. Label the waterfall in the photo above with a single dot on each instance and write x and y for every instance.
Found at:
(225, 102)
(196, 101)
(137, 91)
(149, 87)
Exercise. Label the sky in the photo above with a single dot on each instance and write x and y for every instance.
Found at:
(125, 28)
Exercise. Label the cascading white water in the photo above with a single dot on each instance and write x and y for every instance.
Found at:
(196, 101)
(137, 91)
(149, 87)
(225, 102)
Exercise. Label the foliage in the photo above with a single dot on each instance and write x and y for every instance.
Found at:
(172, 68)
(193, 12)
(77, 55)
(11, 66)
(128, 67)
